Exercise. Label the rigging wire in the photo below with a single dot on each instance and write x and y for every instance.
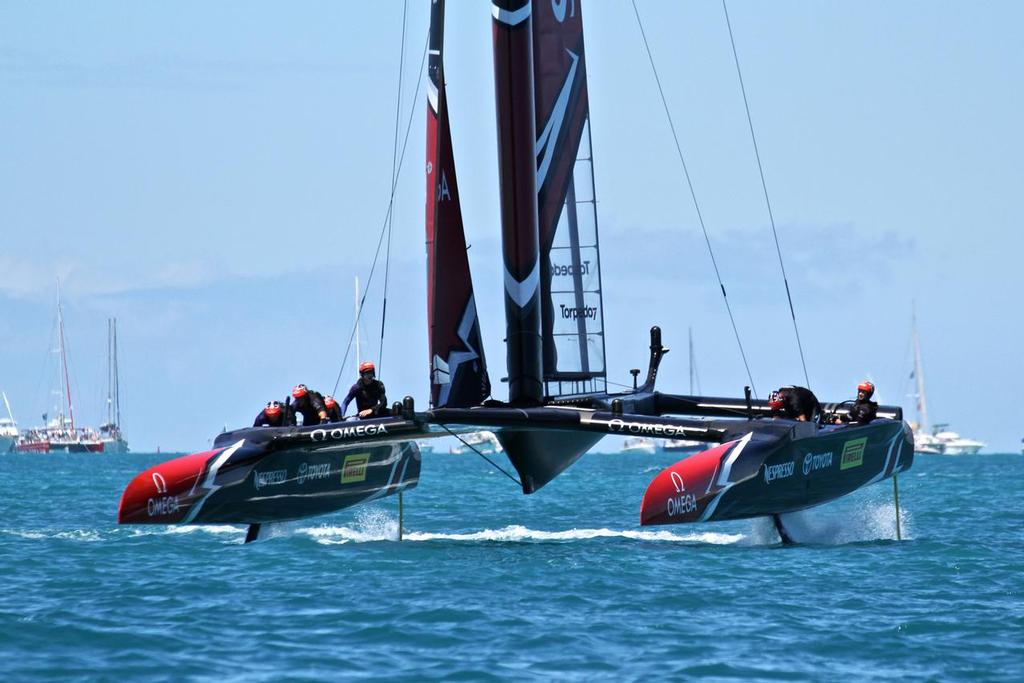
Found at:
(764, 187)
(472, 448)
(693, 196)
(394, 183)
(387, 215)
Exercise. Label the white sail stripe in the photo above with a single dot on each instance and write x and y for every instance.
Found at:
(211, 475)
(548, 137)
(522, 292)
(457, 357)
(512, 18)
(432, 96)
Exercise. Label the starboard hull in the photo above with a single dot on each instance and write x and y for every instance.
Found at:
(763, 473)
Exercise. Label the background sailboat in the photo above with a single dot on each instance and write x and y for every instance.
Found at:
(110, 432)
(8, 428)
(683, 446)
(61, 433)
(934, 439)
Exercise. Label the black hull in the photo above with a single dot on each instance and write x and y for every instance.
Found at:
(254, 480)
(766, 473)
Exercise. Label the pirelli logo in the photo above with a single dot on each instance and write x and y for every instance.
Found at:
(354, 469)
(853, 454)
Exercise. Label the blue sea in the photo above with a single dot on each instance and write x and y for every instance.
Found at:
(489, 584)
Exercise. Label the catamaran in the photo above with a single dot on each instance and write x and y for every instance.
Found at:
(558, 403)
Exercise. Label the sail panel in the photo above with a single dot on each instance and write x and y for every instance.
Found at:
(458, 370)
(572, 321)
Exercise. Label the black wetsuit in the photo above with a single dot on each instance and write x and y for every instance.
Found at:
(862, 412)
(309, 406)
(264, 420)
(798, 401)
(367, 397)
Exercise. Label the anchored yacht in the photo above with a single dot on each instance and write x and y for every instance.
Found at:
(940, 441)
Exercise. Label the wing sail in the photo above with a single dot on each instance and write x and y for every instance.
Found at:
(458, 371)
(572, 323)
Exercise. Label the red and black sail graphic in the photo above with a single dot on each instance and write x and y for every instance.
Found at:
(570, 275)
(520, 239)
(458, 372)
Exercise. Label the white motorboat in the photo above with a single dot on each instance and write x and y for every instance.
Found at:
(952, 443)
(683, 446)
(639, 444)
(478, 442)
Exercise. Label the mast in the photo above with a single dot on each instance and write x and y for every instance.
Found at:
(65, 380)
(110, 371)
(117, 382)
(922, 403)
(7, 404)
(513, 84)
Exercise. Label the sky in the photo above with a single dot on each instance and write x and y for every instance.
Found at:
(216, 175)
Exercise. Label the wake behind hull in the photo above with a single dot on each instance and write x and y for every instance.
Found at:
(767, 474)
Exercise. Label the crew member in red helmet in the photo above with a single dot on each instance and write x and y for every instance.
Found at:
(368, 393)
(309, 404)
(863, 410)
(271, 416)
(333, 409)
(794, 403)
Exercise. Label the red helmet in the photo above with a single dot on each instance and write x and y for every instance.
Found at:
(867, 387)
(367, 366)
(775, 400)
(273, 409)
(329, 401)
(299, 391)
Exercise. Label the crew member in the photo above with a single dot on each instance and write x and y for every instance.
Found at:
(794, 403)
(368, 393)
(309, 404)
(333, 409)
(271, 416)
(863, 410)
(776, 404)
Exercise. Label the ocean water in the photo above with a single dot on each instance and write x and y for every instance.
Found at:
(493, 585)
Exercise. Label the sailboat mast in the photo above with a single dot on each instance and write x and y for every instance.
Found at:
(517, 168)
(922, 403)
(65, 380)
(117, 380)
(110, 372)
(8, 406)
